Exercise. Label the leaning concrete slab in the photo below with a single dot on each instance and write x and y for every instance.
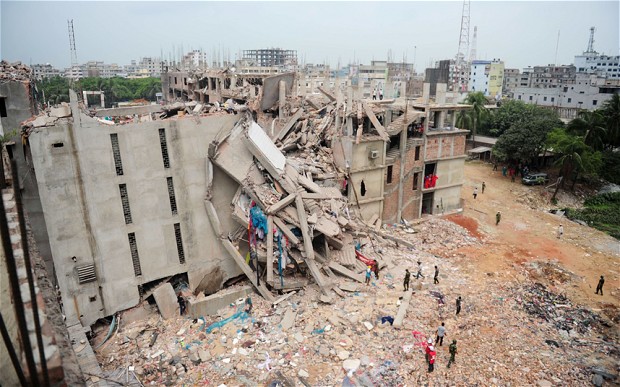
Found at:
(210, 305)
(402, 311)
(166, 301)
(346, 272)
(288, 320)
(267, 153)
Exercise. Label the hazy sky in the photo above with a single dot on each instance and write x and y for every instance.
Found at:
(521, 33)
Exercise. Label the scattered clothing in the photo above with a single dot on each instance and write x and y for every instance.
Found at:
(600, 285)
(389, 319)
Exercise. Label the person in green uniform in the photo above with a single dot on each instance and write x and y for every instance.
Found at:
(498, 217)
(453, 352)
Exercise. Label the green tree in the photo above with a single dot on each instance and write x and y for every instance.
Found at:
(525, 139)
(611, 115)
(477, 112)
(590, 125)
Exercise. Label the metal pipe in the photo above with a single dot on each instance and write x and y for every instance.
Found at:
(18, 303)
(28, 264)
(11, 350)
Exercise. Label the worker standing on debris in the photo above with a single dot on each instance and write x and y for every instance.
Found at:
(436, 278)
(431, 359)
(458, 305)
(475, 192)
(498, 217)
(375, 268)
(453, 352)
(560, 232)
(428, 348)
(419, 271)
(406, 281)
(441, 332)
(368, 271)
(484, 185)
(600, 285)
(181, 301)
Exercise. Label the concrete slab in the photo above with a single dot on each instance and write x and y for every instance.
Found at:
(288, 320)
(402, 311)
(209, 306)
(265, 150)
(61, 111)
(166, 301)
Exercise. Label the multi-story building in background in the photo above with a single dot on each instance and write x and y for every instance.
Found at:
(268, 57)
(600, 64)
(487, 77)
(42, 71)
(511, 81)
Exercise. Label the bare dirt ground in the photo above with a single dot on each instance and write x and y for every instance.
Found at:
(528, 233)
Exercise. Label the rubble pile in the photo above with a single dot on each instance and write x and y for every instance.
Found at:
(436, 234)
(15, 71)
(538, 301)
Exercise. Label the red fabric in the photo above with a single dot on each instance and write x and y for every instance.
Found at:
(434, 180)
(431, 357)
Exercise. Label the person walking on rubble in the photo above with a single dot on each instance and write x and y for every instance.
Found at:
(431, 359)
(419, 271)
(368, 271)
(375, 268)
(436, 278)
(458, 305)
(441, 332)
(406, 281)
(498, 217)
(484, 185)
(600, 285)
(453, 352)
(560, 232)
(475, 192)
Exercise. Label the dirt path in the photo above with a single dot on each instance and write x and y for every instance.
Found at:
(528, 234)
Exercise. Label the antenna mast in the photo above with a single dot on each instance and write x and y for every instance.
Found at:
(460, 61)
(591, 41)
(72, 49)
(472, 51)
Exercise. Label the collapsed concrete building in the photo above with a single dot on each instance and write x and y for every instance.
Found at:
(267, 186)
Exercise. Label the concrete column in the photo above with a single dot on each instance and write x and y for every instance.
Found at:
(102, 95)
(401, 178)
(442, 119)
(282, 99)
(426, 92)
(454, 118)
(440, 93)
(85, 99)
(302, 85)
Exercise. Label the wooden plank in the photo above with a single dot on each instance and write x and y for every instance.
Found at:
(376, 123)
(269, 248)
(286, 231)
(402, 311)
(338, 268)
(284, 131)
(281, 204)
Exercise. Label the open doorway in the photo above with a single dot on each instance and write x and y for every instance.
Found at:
(427, 203)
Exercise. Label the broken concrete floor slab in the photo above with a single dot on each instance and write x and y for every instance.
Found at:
(166, 300)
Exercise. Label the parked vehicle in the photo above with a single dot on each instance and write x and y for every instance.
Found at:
(536, 179)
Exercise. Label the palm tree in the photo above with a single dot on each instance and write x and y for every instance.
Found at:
(590, 125)
(463, 120)
(611, 113)
(571, 162)
(477, 100)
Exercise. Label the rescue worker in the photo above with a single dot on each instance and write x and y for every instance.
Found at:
(453, 352)
(484, 185)
(436, 278)
(406, 281)
(458, 305)
(498, 217)
(600, 285)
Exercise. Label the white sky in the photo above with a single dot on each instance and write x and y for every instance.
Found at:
(521, 33)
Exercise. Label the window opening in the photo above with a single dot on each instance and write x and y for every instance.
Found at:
(125, 202)
(164, 147)
(363, 188)
(179, 238)
(116, 152)
(389, 174)
(134, 254)
(173, 200)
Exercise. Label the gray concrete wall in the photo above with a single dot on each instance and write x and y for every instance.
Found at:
(84, 214)
(209, 306)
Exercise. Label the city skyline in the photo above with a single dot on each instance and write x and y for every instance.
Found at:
(418, 32)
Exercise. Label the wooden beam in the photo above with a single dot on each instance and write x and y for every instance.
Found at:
(376, 123)
(269, 248)
(286, 231)
(281, 204)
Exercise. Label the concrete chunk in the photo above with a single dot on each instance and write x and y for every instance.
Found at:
(402, 311)
(166, 301)
(210, 305)
(288, 320)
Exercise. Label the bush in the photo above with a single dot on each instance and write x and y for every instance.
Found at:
(601, 212)
(611, 167)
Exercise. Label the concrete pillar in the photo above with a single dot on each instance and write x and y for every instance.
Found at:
(403, 89)
(302, 85)
(426, 92)
(401, 178)
(442, 119)
(102, 95)
(85, 98)
(282, 99)
(440, 93)
(454, 118)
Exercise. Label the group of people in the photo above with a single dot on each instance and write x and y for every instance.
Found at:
(431, 354)
(430, 181)
(513, 170)
(372, 269)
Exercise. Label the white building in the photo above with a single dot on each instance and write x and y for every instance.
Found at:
(600, 64)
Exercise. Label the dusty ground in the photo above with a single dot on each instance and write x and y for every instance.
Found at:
(511, 331)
